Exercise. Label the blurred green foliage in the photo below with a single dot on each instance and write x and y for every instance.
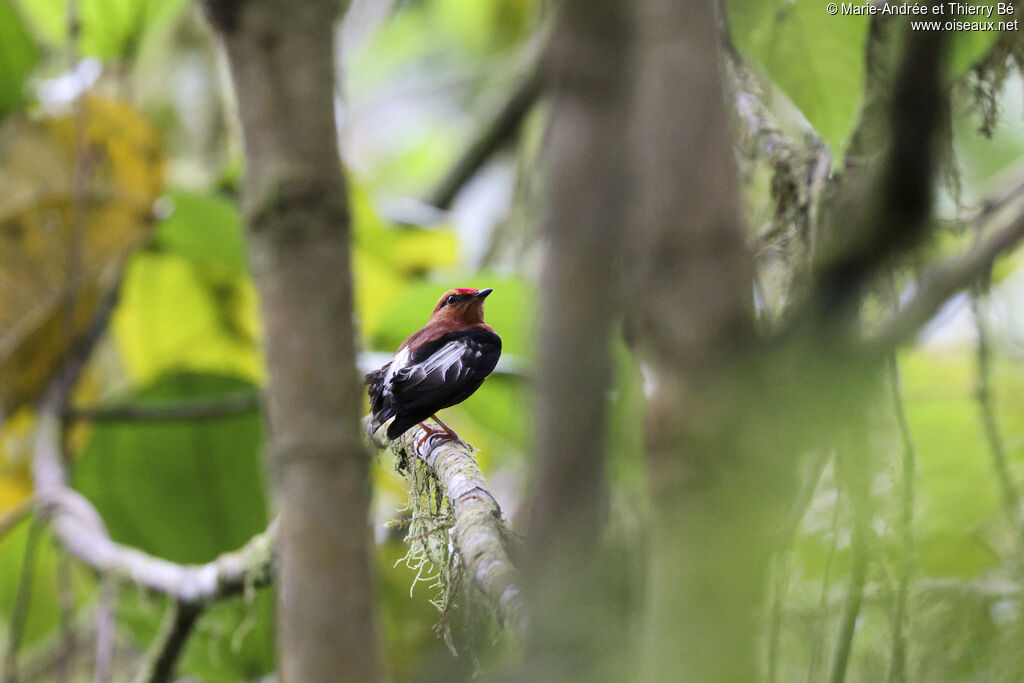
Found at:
(418, 80)
(106, 28)
(817, 60)
(44, 616)
(18, 56)
(187, 491)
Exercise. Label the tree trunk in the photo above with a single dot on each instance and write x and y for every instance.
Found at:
(712, 491)
(587, 72)
(281, 58)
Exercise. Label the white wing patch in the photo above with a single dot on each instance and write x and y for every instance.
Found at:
(400, 360)
(448, 355)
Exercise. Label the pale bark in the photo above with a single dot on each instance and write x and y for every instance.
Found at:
(479, 532)
(282, 65)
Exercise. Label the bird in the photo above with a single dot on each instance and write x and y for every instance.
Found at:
(437, 367)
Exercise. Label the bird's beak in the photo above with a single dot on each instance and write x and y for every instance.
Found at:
(482, 294)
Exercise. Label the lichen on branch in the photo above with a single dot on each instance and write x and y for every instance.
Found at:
(456, 525)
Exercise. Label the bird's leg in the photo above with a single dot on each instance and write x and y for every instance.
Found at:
(447, 429)
(432, 432)
(428, 432)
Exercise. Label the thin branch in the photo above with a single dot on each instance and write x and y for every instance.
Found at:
(821, 612)
(851, 610)
(231, 405)
(44, 660)
(499, 130)
(859, 493)
(106, 630)
(169, 644)
(986, 406)
(478, 529)
(66, 602)
(943, 281)
(80, 529)
(784, 557)
(238, 403)
(15, 515)
(997, 202)
(22, 601)
(908, 460)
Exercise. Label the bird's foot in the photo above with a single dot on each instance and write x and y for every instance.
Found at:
(447, 430)
(446, 433)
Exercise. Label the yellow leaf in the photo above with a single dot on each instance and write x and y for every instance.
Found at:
(168, 321)
(15, 455)
(76, 196)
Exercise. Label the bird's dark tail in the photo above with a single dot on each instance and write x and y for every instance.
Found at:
(381, 409)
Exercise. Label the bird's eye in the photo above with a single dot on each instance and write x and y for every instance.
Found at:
(452, 299)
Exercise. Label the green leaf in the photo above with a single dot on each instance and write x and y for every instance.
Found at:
(955, 555)
(187, 491)
(206, 229)
(958, 488)
(184, 490)
(501, 406)
(108, 28)
(968, 47)
(960, 509)
(18, 56)
(173, 317)
(817, 60)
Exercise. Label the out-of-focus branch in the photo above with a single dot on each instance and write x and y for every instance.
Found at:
(105, 623)
(690, 316)
(239, 403)
(229, 405)
(783, 558)
(15, 516)
(80, 529)
(66, 604)
(799, 174)
(22, 602)
(169, 643)
(908, 460)
(821, 612)
(942, 281)
(986, 405)
(490, 138)
(478, 530)
(574, 630)
(859, 492)
(884, 207)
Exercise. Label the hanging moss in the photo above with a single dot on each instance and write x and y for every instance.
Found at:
(464, 619)
(987, 78)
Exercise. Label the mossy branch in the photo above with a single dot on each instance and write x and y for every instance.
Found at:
(478, 531)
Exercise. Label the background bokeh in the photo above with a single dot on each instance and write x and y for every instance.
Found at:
(144, 81)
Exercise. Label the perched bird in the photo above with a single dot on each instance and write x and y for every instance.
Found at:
(437, 367)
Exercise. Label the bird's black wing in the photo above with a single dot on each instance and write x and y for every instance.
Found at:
(376, 382)
(440, 374)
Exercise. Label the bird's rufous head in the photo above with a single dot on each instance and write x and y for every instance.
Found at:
(462, 305)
